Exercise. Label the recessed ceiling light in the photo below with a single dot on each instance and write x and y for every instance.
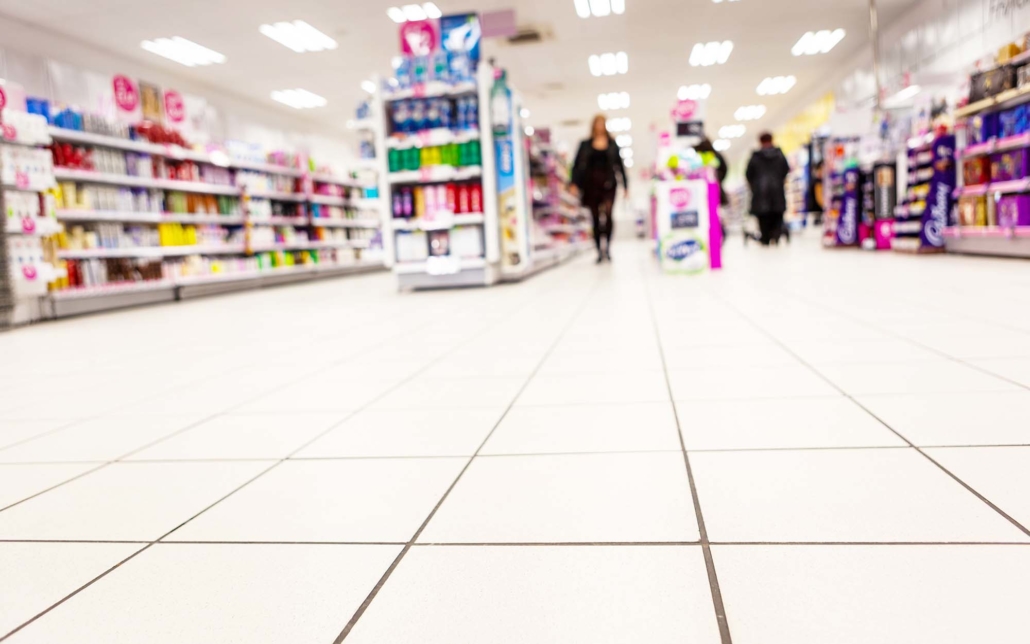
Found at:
(712, 53)
(529, 130)
(300, 99)
(732, 131)
(428, 10)
(694, 92)
(624, 140)
(185, 52)
(608, 64)
(817, 42)
(776, 85)
(628, 163)
(749, 112)
(721, 145)
(599, 8)
(368, 86)
(613, 101)
(524, 113)
(627, 153)
(619, 125)
(720, 1)
(298, 36)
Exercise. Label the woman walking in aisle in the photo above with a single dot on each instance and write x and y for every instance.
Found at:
(595, 178)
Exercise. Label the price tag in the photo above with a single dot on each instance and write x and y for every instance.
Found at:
(423, 137)
(29, 272)
(419, 90)
(10, 133)
(21, 180)
(28, 225)
(425, 173)
(441, 220)
(443, 265)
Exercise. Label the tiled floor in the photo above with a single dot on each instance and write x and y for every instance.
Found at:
(809, 447)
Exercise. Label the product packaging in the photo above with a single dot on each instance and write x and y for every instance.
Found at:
(976, 171)
(1008, 166)
(1014, 210)
(1013, 122)
(972, 211)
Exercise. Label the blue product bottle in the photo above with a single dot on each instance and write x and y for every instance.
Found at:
(401, 117)
(420, 65)
(418, 115)
(404, 72)
(473, 113)
(433, 120)
(441, 71)
(458, 63)
(446, 113)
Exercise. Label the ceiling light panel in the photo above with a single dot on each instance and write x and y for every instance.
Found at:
(711, 53)
(749, 112)
(721, 145)
(368, 86)
(628, 163)
(599, 8)
(185, 52)
(300, 99)
(298, 36)
(608, 64)
(626, 153)
(426, 10)
(776, 85)
(619, 125)
(624, 140)
(694, 92)
(613, 101)
(817, 42)
(732, 131)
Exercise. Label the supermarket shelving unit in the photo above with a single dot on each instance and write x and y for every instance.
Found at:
(561, 226)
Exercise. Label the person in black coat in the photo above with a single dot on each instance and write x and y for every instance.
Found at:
(595, 178)
(766, 174)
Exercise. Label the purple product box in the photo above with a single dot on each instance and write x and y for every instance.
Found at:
(1014, 210)
(1008, 166)
(1013, 122)
(982, 128)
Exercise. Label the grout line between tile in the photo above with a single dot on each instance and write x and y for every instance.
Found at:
(411, 542)
(713, 579)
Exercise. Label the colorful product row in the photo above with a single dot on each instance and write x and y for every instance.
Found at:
(415, 115)
(1002, 166)
(1009, 211)
(460, 241)
(135, 164)
(984, 127)
(456, 155)
(429, 201)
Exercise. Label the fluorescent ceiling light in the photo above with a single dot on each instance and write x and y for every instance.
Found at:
(628, 163)
(624, 140)
(732, 131)
(627, 153)
(712, 53)
(903, 96)
(613, 101)
(721, 145)
(749, 112)
(608, 64)
(368, 86)
(185, 52)
(619, 7)
(817, 42)
(298, 36)
(619, 125)
(298, 98)
(776, 85)
(720, 1)
(428, 10)
(694, 92)
(583, 8)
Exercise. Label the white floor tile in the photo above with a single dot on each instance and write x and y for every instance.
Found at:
(784, 381)
(242, 436)
(887, 595)
(425, 392)
(882, 495)
(419, 432)
(728, 356)
(16, 431)
(1000, 474)
(100, 439)
(1015, 369)
(319, 394)
(125, 501)
(568, 498)
(780, 424)
(884, 352)
(528, 595)
(38, 575)
(549, 429)
(996, 418)
(220, 593)
(338, 500)
(564, 363)
(18, 481)
(912, 378)
(644, 386)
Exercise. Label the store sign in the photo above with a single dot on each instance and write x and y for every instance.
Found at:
(847, 224)
(175, 107)
(685, 110)
(126, 94)
(461, 33)
(940, 197)
(420, 37)
(3, 98)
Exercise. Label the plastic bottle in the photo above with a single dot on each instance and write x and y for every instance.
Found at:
(476, 198)
(463, 198)
(429, 197)
(398, 204)
(451, 198)
(406, 205)
(420, 202)
(440, 70)
(418, 115)
(446, 113)
(472, 117)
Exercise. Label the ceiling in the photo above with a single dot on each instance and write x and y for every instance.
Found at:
(553, 76)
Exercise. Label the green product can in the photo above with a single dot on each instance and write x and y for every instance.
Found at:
(394, 159)
(475, 153)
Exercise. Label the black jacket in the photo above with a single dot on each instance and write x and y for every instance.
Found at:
(615, 167)
(766, 173)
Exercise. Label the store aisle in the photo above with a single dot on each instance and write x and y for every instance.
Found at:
(822, 446)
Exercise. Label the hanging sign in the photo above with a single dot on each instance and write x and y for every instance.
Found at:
(420, 37)
(175, 107)
(3, 98)
(126, 94)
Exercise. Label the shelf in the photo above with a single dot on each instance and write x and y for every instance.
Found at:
(443, 224)
(311, 245)
(430, 138)
(329, 200)
(151, 251)
(1016, 95)
(997, 145)
(279, 221)
(242, 276)
(87, 176)
(365, 204)
(267, 168)
(271, 195)
(336, 181)
(148, 217)
(431, 89)
(463, 264)
(32, 227)
(326, 222)
(436, 174)
(997, 187)
(984, 240)
(120, 288)
(366, 124)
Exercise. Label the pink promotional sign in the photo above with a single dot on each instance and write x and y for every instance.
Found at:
(3, 98)
(684, 110)
(126, 95)
(679, 197)
(175, 107)
(420, 37)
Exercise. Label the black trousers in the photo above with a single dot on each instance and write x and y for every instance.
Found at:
(601, 213)
(770, 224)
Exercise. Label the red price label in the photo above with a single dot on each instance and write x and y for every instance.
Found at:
(28, 225)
